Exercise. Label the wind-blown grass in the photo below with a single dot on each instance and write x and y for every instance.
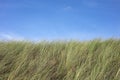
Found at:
(70, 60)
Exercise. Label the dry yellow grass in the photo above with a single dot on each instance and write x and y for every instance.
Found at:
(72, 60)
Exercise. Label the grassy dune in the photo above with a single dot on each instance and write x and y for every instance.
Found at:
(71, 60)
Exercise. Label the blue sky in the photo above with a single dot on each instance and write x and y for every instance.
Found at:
(59, 19)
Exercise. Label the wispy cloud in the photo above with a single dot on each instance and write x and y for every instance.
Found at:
(67, 8)
(10, 36)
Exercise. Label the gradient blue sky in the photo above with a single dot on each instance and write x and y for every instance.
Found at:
(59, 19)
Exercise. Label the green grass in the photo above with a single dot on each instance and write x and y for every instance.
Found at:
(60, 60)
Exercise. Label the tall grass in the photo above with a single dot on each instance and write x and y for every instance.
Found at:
(59, 60)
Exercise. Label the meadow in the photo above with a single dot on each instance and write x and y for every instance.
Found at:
(60, 60)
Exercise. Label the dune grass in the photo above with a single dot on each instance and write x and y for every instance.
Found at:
(60, 60)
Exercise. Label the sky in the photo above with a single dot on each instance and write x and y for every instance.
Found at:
(59, 19)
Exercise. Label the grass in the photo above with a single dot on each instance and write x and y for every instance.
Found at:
(60, 60)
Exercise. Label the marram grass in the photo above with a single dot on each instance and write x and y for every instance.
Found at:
(70, 60)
